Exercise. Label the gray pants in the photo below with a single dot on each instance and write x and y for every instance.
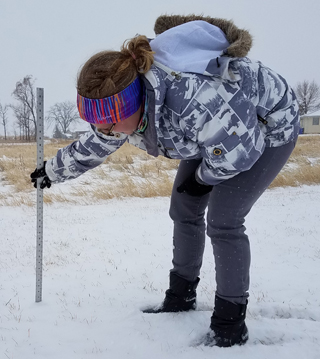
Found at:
(228, 204)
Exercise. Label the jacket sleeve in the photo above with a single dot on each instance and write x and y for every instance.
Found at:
(80, 156)
(278, 105)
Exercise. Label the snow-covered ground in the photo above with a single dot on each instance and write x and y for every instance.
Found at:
(104, 262)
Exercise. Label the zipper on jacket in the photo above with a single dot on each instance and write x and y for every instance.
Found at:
(265, 122)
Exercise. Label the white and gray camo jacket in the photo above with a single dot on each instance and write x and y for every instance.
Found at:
(225, 116)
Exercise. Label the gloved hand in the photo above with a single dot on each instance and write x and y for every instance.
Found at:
(193, 188)
(41, 173)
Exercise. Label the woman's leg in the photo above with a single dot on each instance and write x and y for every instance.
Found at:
(229, 204)
(187, 213)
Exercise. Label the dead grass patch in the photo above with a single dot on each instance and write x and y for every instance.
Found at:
(308, 146)
(306, 160)
(50, 198)
(141, 175)
(16, 200)
(127, 187)
(305, 174)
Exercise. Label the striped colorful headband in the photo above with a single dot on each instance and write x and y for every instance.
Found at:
(114, 108)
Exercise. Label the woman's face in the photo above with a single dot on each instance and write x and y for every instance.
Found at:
(127, 126)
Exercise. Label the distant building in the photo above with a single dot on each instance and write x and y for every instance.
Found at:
(69, 135)
(310, 123)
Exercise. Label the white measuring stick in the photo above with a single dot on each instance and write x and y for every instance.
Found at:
(39, 250)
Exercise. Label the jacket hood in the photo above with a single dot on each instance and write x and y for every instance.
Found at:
(240, 40)
(193, 45)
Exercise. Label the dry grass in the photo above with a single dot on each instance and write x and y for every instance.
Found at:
(15, 200)
(127, 187)
(139, 175)
(305, 164)
(307, 146)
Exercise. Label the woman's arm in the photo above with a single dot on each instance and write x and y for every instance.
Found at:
(80, 156)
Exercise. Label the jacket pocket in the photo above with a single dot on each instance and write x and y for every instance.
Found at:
(218, 151)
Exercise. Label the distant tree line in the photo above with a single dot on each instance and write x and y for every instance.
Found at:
(63, 114)
(24, 110)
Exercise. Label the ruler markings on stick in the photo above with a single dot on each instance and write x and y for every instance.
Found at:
(40, 159)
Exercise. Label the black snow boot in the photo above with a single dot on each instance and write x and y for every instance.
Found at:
(180, 297)
(227, 324)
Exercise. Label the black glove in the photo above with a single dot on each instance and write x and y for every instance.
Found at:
(41, 173)
(193, 188)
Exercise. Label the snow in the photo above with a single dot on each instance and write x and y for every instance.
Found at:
(104, 262)
(313, 160)
(312, 114)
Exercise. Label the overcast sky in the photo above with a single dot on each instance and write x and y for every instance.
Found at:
(50, 40)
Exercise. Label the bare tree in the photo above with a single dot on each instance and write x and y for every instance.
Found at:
(57, 133)
(22, 115)
(63, 114)
(25, 111)
(308, 96)
(4, 118)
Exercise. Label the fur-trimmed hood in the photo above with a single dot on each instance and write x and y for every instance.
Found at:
(240, 40)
